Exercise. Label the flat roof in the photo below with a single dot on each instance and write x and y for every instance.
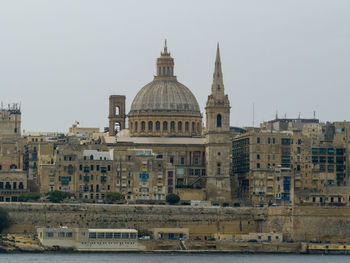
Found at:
(111, 230)
(162, 140)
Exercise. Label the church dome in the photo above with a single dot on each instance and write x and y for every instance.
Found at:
(165, 95)
(165, 107)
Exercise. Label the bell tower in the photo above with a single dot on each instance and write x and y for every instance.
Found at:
(116, 114)
(218, 139)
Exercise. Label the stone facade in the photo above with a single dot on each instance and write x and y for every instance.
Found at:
(315, 153)
(217, 137)
(10, 122)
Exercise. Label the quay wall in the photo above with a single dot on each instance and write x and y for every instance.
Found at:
(295, 223)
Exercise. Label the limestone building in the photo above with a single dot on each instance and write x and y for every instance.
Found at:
(315, 154)
(165, 120)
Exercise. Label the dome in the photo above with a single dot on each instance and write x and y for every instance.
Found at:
(165, 95)
(165, 107)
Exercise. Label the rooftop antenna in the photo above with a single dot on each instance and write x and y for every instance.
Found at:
(314, 114)
(276, 115)
(2, 105)
(285, 116)
(299, 115)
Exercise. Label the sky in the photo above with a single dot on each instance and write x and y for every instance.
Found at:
(62, 59)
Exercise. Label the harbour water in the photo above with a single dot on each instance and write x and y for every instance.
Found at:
(169, 258)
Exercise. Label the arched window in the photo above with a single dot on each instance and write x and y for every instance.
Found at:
(136, 126)
(91, 157)
(165, 126)
(157, 125)
(117, 110)
(117, 127)
(172, 126)
(150, 126)
(218, 120)
(179, 126)
(193, 126)
(187, 126)
(219, 169)
(13, 166)
(163, 71)
(168, 71)
(160, 71)
(0, 167)
(143, 126)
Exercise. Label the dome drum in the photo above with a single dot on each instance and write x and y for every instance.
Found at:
(163, 126)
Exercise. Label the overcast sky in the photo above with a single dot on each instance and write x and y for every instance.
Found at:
(63, 58)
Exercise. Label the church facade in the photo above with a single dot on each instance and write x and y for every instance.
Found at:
(165, 148)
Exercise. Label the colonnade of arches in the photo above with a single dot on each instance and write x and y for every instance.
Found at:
(186, 127)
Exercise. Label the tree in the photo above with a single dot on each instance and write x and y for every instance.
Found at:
(112, 197)
(25, 197)
(57, 196)
(4, 219)
(172, 199)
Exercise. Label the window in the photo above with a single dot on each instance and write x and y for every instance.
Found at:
(168, 71)
(150, 126)
(258, 156)
(193, 126)
(160, 71)
(49, 234)
(172, 126)
(157, 125)
(143, 126)
(268, 140)
(196, 160)
(171, 160)
(258, 140)
(136, 124)
(186, 126)
(165, 126)
(163, 71)
(182, 160)
(273, 140)
(179, 126)
(258, 165)
(218, 120)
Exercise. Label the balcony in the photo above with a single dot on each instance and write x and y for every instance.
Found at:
(11, 192)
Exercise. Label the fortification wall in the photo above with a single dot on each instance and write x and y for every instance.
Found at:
(296, 223)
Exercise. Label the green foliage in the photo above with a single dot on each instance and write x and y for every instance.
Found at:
(25, 197)
(4, 219)
(57, 196)
(172, 198)
(112, 197)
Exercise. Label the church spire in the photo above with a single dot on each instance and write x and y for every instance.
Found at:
(217, 88)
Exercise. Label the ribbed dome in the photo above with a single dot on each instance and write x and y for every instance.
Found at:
(165, 95)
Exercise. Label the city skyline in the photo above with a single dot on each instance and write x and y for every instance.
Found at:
(62, 60)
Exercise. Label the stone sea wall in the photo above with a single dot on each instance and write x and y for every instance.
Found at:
(296, 223)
